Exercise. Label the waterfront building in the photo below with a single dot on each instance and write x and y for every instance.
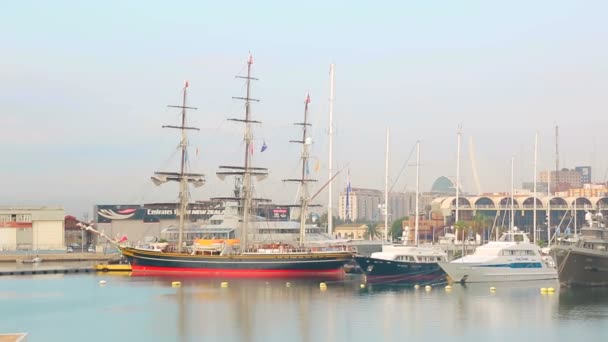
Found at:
(567, 213)
(541, 187)
(562, 180)
(585, 173)
(587, 190)
(350, 231)
(143, 222)
(364, 205)
(32, 228)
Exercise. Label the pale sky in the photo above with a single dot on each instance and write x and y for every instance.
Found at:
(84, 87)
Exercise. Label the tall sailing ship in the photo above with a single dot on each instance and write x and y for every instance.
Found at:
(237, 257)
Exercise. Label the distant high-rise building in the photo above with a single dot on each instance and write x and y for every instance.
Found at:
(562, 180)
(585, 173)
(541, 187)
(364, 205)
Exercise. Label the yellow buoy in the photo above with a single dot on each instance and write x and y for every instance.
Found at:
(176, 284)
(102, 282)
(362, 286)
(416, 286)
(287, 284)
(550, 290)
(448, 288)
(224, 284)
(543, 290)
(492, 289)
(427, 288)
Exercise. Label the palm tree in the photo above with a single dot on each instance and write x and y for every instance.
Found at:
(463, 225)
(371, 233)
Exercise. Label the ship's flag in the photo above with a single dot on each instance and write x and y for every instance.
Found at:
(186, 85)
(307, 98)
(250, 59)
(264, 147)
(123, 239)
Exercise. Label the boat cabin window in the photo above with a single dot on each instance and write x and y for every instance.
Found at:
(405, 258)
(520, 252)
(512, 237)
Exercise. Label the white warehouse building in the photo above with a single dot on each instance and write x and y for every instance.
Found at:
(32, 228)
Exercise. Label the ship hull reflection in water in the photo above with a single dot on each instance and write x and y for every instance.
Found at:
(202, 309)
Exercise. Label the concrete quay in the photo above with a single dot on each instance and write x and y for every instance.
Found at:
(59, 257)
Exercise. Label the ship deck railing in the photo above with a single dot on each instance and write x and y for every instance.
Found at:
(303, 250)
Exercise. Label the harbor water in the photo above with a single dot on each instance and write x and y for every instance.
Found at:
(119, 307)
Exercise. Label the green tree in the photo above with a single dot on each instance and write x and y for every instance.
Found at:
(397, 228)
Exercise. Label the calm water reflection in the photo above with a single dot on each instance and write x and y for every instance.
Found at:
(76, 308)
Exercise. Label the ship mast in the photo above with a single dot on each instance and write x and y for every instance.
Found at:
(303, 180)
(330, 214)
(246, 171)
(182, 176)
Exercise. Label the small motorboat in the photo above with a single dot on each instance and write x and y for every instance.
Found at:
(35, 260)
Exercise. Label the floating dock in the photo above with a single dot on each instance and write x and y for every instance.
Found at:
(36, 271)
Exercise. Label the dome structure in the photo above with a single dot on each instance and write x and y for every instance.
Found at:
(443, 185)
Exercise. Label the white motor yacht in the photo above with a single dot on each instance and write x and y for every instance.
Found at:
(512, 258)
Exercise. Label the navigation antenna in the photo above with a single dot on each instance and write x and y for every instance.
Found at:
(246, 171)
(183, 177)
(303, 180)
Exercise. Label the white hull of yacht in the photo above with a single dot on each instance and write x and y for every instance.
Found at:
(480, 273)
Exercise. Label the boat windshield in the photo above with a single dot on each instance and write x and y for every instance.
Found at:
(512, 237)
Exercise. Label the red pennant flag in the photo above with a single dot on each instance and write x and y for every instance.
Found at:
(307, 98)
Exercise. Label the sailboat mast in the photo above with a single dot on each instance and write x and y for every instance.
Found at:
(512, 194)
(534, 219)
(183, 182)
(458, 134)
(246, 172)
(549, 208)
(386, 186)
(303, 182)
(245, 196)
(182, 176)
(417, 189)
(330, 218)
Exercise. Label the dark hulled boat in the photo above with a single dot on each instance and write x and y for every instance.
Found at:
(305, 263)
(239, 258)
(583, 260)
(403, 264)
